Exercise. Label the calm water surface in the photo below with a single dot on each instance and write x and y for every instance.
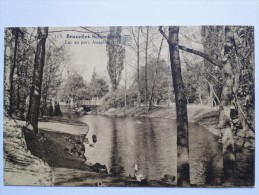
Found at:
(151, 143)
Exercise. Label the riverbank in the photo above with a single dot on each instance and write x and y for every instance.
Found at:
(202, 115)
(55, 157)
(29, 159)
(199, 114)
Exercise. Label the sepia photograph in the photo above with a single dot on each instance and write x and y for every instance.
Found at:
(131, 106)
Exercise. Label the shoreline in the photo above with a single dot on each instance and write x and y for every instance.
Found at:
(202, 115)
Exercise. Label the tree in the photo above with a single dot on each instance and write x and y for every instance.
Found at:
(200, 81)
(136, 38)
(146, 53)
(116, 55)
(151, 98)
(157, 90)
(76, 88)
(213, 42)
(183, 167)
(35, 95)
(55, 60)
(235, 57)
(15, 31)
(19, 51)
(57, 110)
(98, 88)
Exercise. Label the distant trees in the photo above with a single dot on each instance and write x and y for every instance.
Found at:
(116, 55)
(98, 86)
(135, 32)
(157, 78)
(77, 89)
(52, 78)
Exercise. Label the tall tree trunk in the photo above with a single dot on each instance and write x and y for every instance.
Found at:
(138, 53)
(146, 85)
(5, 69)
(183, 168)
(169, 84)
(18, 96)
(210, 97)
(35, 95)
(16, 34)
(225, 121)
(151, 98)
(125, 93)
(137, 43)
(200, 98)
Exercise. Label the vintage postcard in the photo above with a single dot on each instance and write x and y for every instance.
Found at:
(129, 106)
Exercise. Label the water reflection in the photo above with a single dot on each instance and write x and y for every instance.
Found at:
(122, 142)
(151, 143)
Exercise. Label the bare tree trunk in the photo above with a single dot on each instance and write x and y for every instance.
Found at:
(169, 84)
(6, 72)
(16, 34)
(125, 95)
(137, 43)
(200, 98)
(146, 85)
(138, 53)
(151, 98)
(139, 94)
(210, 97)
(18, 97)
(169, 94)
(183, 168)
(35, 95)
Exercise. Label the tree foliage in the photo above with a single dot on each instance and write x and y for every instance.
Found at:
(52, 76)
(159, 75)
(116, 55)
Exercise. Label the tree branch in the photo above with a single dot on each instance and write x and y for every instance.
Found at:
(203, 55)
(163, 33)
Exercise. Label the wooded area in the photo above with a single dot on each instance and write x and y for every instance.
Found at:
(219, 73)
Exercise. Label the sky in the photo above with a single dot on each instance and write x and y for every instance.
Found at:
(88, 52)
(83, 57)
